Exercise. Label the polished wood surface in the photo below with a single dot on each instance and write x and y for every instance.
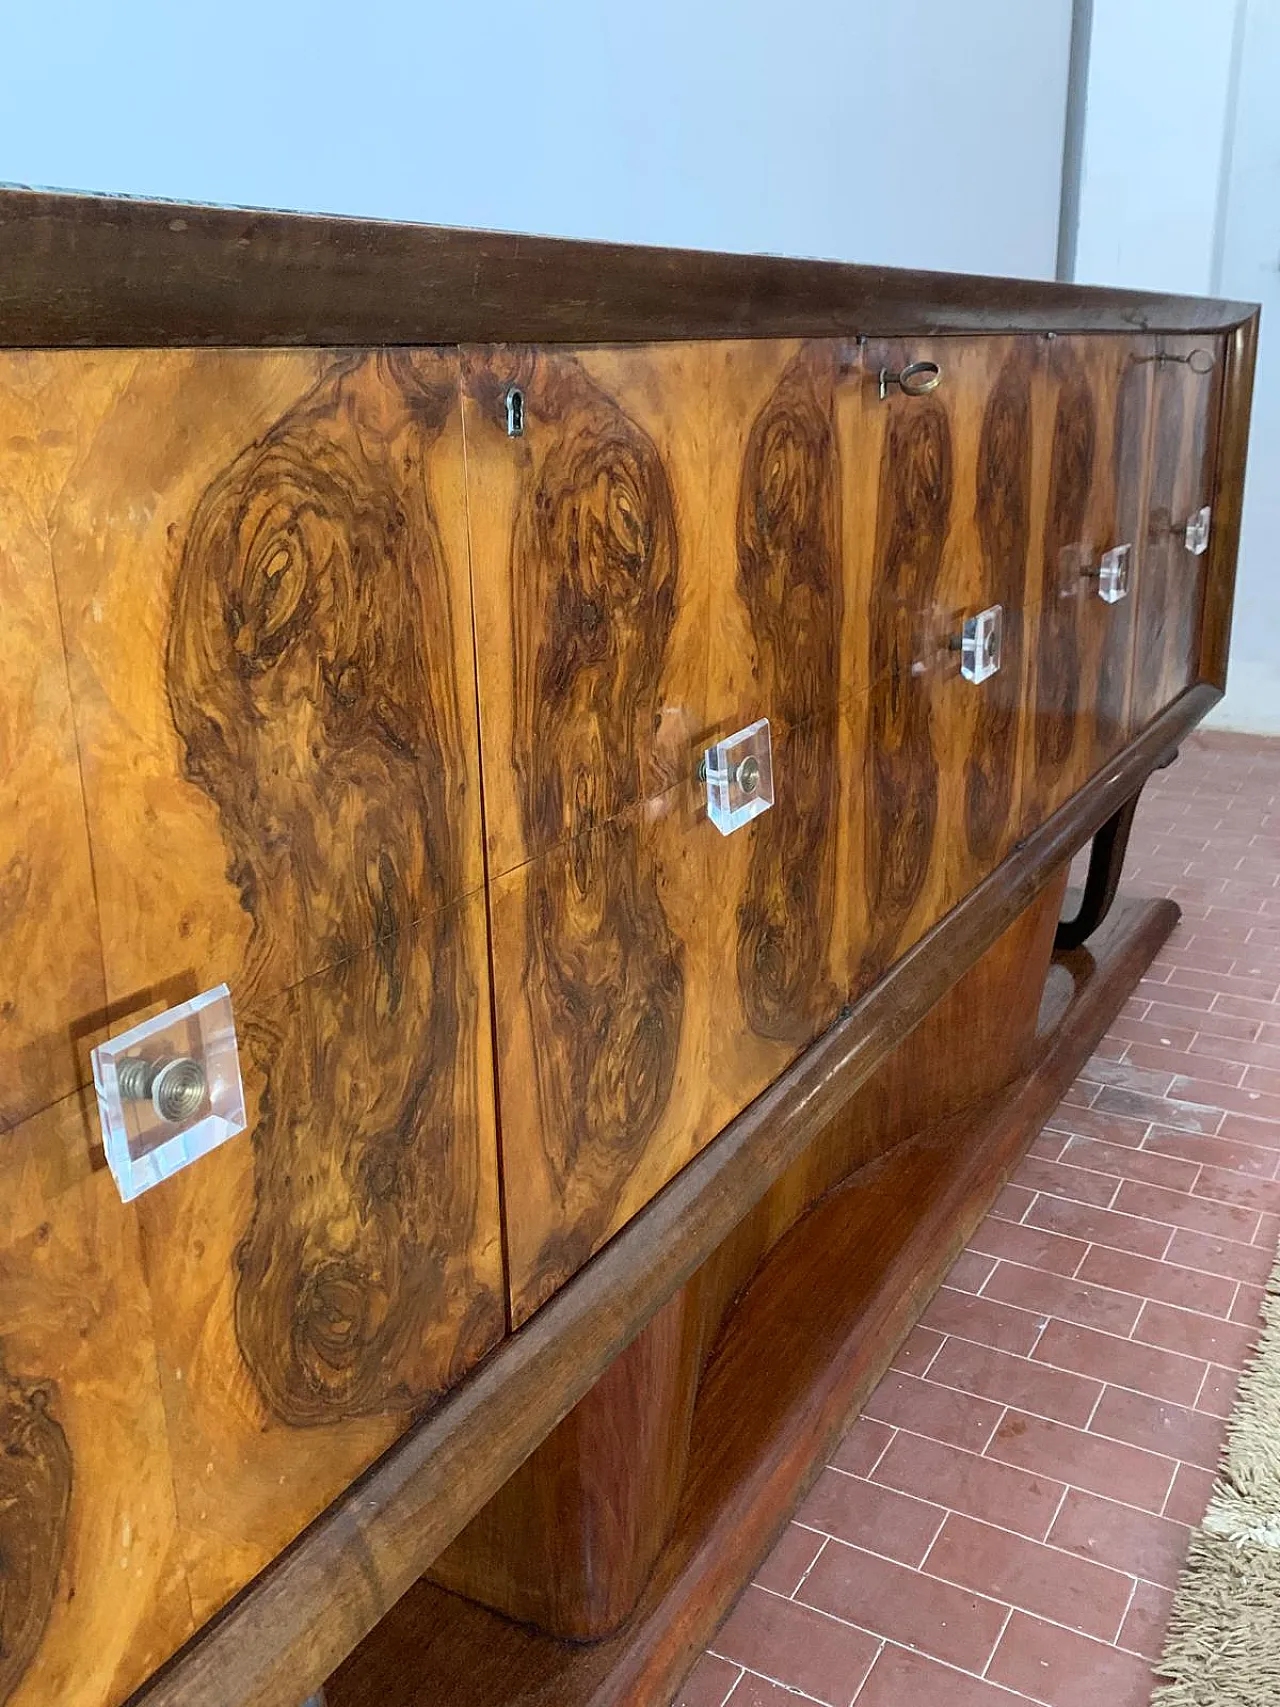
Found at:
(1172, 589)
(92, 1592)
(591, 601)
(590, 586)
(782, 913)
(311, 1315)
(259, 663)
(571, 1539)
(289, 605)
(84, 270)
(1239, 361)
(569, 1542)
(783, 621)
(298, 1620)
(940, 518)
(831, 1305)
(51, 1001)
(602, 1009)
(785, 910)
(330, 683)
(1093, 400)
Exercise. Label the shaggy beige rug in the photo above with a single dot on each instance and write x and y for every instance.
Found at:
(1223, 1645)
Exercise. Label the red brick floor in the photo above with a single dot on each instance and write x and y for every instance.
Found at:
(1006, 1521)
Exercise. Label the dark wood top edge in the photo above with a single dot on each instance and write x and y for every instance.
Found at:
(293, 1625)
(102, 271)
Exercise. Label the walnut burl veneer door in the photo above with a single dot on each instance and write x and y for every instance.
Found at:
(1184, 434)
(587, 484)
(939, 502)
(782, 633)
(261, 561)
(1092, 402)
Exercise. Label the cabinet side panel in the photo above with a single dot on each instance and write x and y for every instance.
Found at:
(1241, 350)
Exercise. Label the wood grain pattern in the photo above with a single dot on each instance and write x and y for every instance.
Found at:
(586, 536)
(35, 1493)
(779, 914)
(1171, 593)
(938, 505)
(570, 1541)
(790, 585)
(292, 1627)
(311, 605)
(779, 646)
(1096, 394)
(51, 988)
(590, 595)
(784, 912)
(1003, 478)
(86, 270)
(601, 966)
(1239, 360)
(901, 792)
(368, 1278)
(262, 569)
(337, 1276)
(289, 632)
(91, 1596)
(291, 603)
(831, 1304)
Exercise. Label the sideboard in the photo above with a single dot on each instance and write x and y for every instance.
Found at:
(383, 604)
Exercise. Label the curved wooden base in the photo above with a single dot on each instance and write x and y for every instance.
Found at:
(1106, 864)
(800, 1345)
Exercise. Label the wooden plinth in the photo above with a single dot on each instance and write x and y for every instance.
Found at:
(796, 1351)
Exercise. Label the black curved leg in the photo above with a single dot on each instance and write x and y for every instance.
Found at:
(1106, 862)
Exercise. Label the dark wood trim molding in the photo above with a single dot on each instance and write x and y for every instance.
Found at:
(96, 270)
(285, 1633)
(1228, 500)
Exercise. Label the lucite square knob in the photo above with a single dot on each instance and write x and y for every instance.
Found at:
(169, 1091)
(980, 644)
(1196, 534)
(1113, 574)
(739, 773)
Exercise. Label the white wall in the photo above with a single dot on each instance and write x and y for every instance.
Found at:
(913, 132)
(1180, 190)
(1250, 268)
(1159, 90)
